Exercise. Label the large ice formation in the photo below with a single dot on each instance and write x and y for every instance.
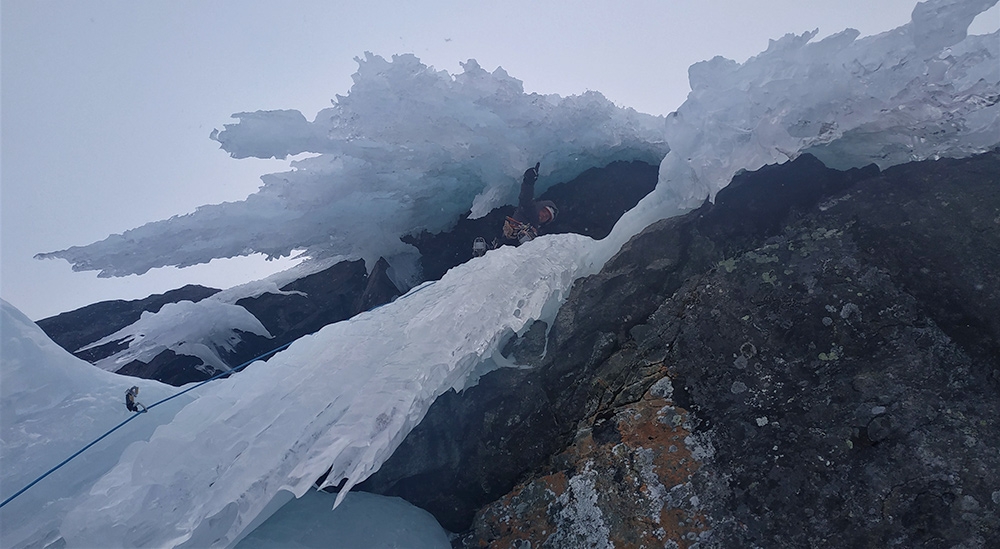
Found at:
(342, 399)
(408, 149)
(200, 329)
(922, 90)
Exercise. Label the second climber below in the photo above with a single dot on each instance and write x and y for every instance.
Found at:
(530, 215)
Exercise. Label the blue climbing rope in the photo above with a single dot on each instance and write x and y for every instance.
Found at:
(135, 415)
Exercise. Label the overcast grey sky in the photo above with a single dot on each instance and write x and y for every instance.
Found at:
(107, 105)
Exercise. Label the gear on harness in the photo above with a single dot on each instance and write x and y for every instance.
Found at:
(479, 247)
(516, 230)
(131, 403)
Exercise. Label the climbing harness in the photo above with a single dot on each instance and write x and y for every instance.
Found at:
(144, 410)
(516, 230)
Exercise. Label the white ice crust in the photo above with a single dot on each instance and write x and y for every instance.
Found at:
(208, 329)
(204, 329)
(344, 398)
(51, 405)
(341, 398)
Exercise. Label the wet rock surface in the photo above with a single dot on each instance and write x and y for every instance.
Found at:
(830, 355)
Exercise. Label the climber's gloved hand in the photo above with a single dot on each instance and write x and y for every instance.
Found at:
(531, 174)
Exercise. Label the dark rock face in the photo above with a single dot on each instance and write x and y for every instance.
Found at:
(590, 205)
(318, 299)
(593, 202)
(311, 302)
(477, 441)
(379, 289)
(833, 411)
(168, 367)
(934, 229)
(816, 368)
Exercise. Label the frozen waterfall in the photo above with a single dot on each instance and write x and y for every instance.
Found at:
(207, 470)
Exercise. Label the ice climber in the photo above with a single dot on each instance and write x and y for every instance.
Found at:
(131, 403)
(530, 215)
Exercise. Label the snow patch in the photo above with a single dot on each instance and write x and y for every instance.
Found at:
(204, 329)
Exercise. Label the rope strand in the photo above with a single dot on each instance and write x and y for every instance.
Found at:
(136, 414)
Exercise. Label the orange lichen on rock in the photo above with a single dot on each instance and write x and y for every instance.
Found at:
(521, 515)
(623, 482)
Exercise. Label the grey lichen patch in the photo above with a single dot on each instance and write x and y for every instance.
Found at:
(969, 503)
(850, 309)
(761, 258)
(824, 206)
(661, 265)
(822, 233)
(580, 522)
(668, 415)
(738, 387)
(701, 446)
(728, 264)
(769, 277)
(835, 353)
(810, 283)
(655, 490)
(663, 388)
